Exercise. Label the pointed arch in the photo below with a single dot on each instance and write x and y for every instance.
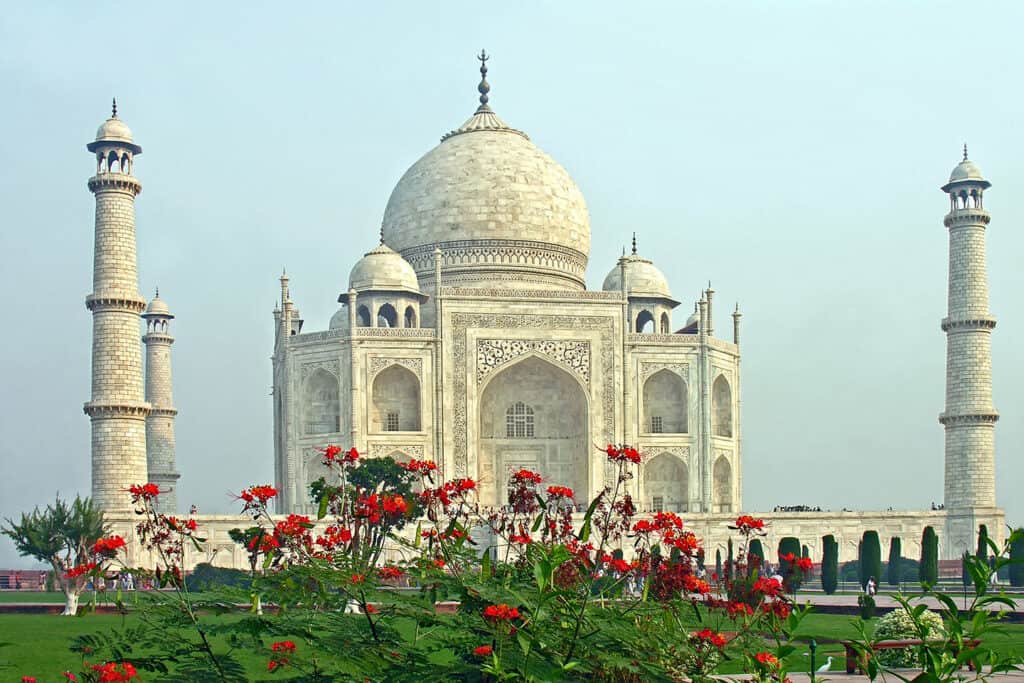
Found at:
(559, 446)
(322, 413)
(644, 322)
(395, 400)
(721, 408)
(722, 486)
(363, 316)
(666, 483)
(410, 317)
(387, 316)
(665, 324)
(665, 404)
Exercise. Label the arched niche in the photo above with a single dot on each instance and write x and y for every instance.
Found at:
(721, 494)
(666, 483)
(410, 316)
(665, 324)
(533, 392)
(721, 408)
(322, 407)
(665, 404)
(395, 401)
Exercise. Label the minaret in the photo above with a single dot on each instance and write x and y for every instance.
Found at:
(969, 418)
(117, 409)
(160, 422)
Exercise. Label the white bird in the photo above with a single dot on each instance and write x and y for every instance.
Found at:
(825, 667)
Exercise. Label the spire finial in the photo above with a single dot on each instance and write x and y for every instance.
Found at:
(113, 109)
(157, 292)
(965, 151)
(484, 86)
(382, 233)
(634, 243)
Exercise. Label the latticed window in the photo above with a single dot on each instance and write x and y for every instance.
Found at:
(391, 422)
(519, 421)
(656, 425)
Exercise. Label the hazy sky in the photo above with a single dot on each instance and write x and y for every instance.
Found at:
(790, 152)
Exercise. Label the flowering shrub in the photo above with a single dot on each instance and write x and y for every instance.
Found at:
(900, 625)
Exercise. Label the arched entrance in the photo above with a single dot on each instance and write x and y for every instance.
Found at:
(532, 415)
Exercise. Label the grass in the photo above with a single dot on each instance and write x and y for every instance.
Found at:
(37, 644)
(8, 597)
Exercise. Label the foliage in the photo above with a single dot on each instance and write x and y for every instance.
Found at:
(982, 552)
(870, 558)
(928, 571)
(893, 569)
(901, 624)
(718, 563)
(789, 552)
(1016, 567)
(70, 538)
(829, 564)
(941, 657)
(755, 553)
(866, 603)
(205, 577)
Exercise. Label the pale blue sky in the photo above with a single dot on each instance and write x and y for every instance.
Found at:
(791, 152)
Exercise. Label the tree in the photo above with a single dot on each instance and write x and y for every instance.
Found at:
(871, 557)
(789, 545)
(718, 564)
(757, 551)
(829, 564)
(731, 561)
(983, 543)
(1017, 566)
(928, 572)
(63, 536)
(895, 552)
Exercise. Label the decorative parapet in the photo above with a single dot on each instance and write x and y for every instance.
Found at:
(115, 301)
(395, 332)
(124, 409)
(982, 417)
(547, 294)
(967, 217)
(981, 322)
(662, 339)
(115, 181)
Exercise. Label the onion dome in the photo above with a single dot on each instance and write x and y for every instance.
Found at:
(157, 308)
(114, 133)
(339, 320)
(497, 206)
(383, 269)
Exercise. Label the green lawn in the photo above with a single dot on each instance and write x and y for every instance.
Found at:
(30, 596)
(37, 645)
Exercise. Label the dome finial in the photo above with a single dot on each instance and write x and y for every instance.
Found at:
(113, 109)
(382, 233)
(965, 151)
(634, 243)
(484, 86)
(157, 292)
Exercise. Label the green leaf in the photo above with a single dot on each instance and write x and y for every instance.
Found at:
(485, 564)
(322, 510)
(584, 534)
(536, 524)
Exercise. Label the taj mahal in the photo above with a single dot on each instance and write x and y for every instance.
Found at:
(467, 336)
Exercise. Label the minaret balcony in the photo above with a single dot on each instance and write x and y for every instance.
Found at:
(978, 322)
(972, 216)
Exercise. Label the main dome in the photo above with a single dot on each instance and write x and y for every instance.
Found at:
(503, 213)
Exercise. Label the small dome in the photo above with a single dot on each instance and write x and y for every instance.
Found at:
(966, 170)
(114, 130)
(339, 320)
(157, 308)
(694, 319)
(643, 279)
(383, 269)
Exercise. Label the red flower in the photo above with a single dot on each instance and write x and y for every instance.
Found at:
(767, 587)
(263, 543)
(143, 492)
(81, 569)
(108, 546)
(114, 672)
(358, 578)
(788, 557)
(526, 477)
(767, 659)
(738, 609)
(258, 494)
(622, 453)
(70, 676)
(805, 563)
(482, 651)
(275, 663)
(283, 646)
(620, 566)
(395, 505)
(691, 584)
(370, 609)
(439, 562)
(563, 491)
(746, 524)
(500, 612)
(421, 466)
(28, 679)
(389, 572)
(709, 636)
(521, 539)
(465, 484)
